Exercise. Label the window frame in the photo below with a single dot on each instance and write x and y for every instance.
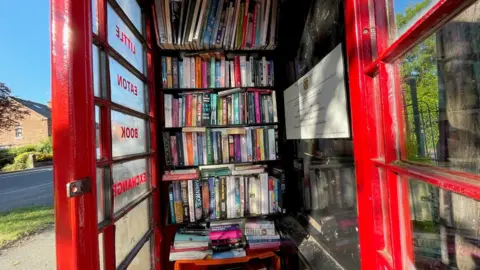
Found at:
(18, 135)
(368, 36)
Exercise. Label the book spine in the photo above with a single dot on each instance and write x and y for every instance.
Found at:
(166, 148)
(222, 72)
(211, 188)
(173, 148)
(181, 161)
(184, 189)
(164, 72)
(232, 74)
(186, 72)
(247, 196)
(204, 74)
(169, 72)
(175, 72)
(276, 184)
(193, 75)
(185, 149)
(217, 74)
(236, 114)
(191, 201)
(208, 134)
(271, 196)
(272, 155)
(219, 147)
(181, 82)
(238, 42)
(199, 110)
(245, 24)
(223, 228)
(261, 137)
(175, 112)
(206, 109)
(189, 143)
(177, 197)
(223, 201)
(204, 143)
(205, 199)
(238, 153)
(168, 110)
(243, 70)
(254, 26)
(257, 107)
(213, 109)
(231, 148)
(215, 148)
(171, 203)
(238, 80)
(242, 196)
(274, 107)
(257, 144)
(249, 144)
(180, 112)
(224, 111)
(217, 198)
(212, 72)
(198, 199)
(200, 148)
(238, 202)
(265, 144)
(188, 111)
(198, 72)
(243, 147)
(225, 147)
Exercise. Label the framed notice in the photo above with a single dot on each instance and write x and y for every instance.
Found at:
(316, 105)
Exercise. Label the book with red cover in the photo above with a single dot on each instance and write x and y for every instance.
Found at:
(198, 72)
(188, 110)
(189, 148)
(173, 147)
(231, 148)
(199, 110)
(260, 91)
(257, 107)
(245, 24)
(254, 26)
(179, 175)
(236, 62)
(235, 234)
(204, 74)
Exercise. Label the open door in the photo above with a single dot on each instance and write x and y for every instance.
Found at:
(104, 135)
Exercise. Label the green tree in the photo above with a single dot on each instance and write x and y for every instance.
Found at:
(420, 65)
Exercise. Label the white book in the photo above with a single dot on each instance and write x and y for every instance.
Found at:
(194, 19)
(229, 92)
(186, 72)
(228, 184)
(274, 106)
(222, 72)
(265, 108)
(232, 74)
(168, 110)
(264, 193)
(180, 112)
(198, 30)
(271, 144)
(185, 152)
(258, 196)
(243, 70)
(191, 204)
(251, 81)
(265, 71)
(192, 72)
(248, 79)
(195, 148)
(228, 20)
(204, 143)
(243, 141)
(242, 196)
(237, 13)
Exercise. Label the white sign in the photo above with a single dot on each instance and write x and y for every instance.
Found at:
(127, 89)
(128, 134)
(316, 106)
(133, 12)
(121, 38)
(129, 182)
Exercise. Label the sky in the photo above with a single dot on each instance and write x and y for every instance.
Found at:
(25, 48)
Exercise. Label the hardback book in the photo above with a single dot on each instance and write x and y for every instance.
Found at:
(184, 192)
(191, 201)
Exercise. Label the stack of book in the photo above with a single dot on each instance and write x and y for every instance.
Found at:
(227, 241)
(206, 24)
(230, 107)
(224, 197)
(261, 234)
(191, 243)
(213, 70)
(221, 146)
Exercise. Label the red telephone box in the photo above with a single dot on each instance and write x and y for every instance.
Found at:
(105, 122)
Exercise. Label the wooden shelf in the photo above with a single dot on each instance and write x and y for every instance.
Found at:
(227, 126)
(214, 89)
(171, 167)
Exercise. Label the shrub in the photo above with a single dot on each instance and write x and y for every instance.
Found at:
(14, 167)
(40, 157)
(45, 147)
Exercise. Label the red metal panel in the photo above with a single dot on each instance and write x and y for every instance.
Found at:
(73, 133)
(358, 45)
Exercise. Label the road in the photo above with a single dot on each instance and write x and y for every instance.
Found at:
(26, 189)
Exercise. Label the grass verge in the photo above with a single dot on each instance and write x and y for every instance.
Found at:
(22, 222)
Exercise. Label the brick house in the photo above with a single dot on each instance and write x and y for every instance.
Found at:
(34, 128)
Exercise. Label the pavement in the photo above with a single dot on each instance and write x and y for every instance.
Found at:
(34, 252)
(26, 189)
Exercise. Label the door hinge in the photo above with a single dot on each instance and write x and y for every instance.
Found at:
(79, 187)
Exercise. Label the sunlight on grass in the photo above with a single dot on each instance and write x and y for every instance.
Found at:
(21, 222)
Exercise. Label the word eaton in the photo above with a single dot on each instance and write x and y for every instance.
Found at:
(127, 85)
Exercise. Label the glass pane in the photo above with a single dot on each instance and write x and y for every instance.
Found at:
(128, 134)
(407, 12)
(130, 229)
(441, 95)
(143, 260)
(96, 70)
(130, 181)
(100, 251)
(121, 38)
(133, 11)
(98, 152)
(95, 16)
(126, 88)
(100, 195)
(446, 228)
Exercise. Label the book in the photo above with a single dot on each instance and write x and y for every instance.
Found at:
(171, 204)
(184, 194)
(234, 253)
(198, 199)
(191, 200)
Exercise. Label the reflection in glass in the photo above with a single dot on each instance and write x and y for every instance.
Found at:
(126, 88)
(100, 196)
(130, 181)
(407, 13)
(95, 16)
(440, 83)
(446, 228)
(143, 259)
(133, 12)
(128, 134)
(130, 229)
(96, 70)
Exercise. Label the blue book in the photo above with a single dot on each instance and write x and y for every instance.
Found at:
(180, 237)
(210, 24)
(217, 74)
(198, 199)
(238, 202)
(170, 200)
(215, 148)
(212, 72)
(200, 148)
(233, 253)
(164, 72)
(180, 75)
(263, 240)
(195, 154)
(236, 114)
(213, 109)
(275, 194)
(211, 189)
